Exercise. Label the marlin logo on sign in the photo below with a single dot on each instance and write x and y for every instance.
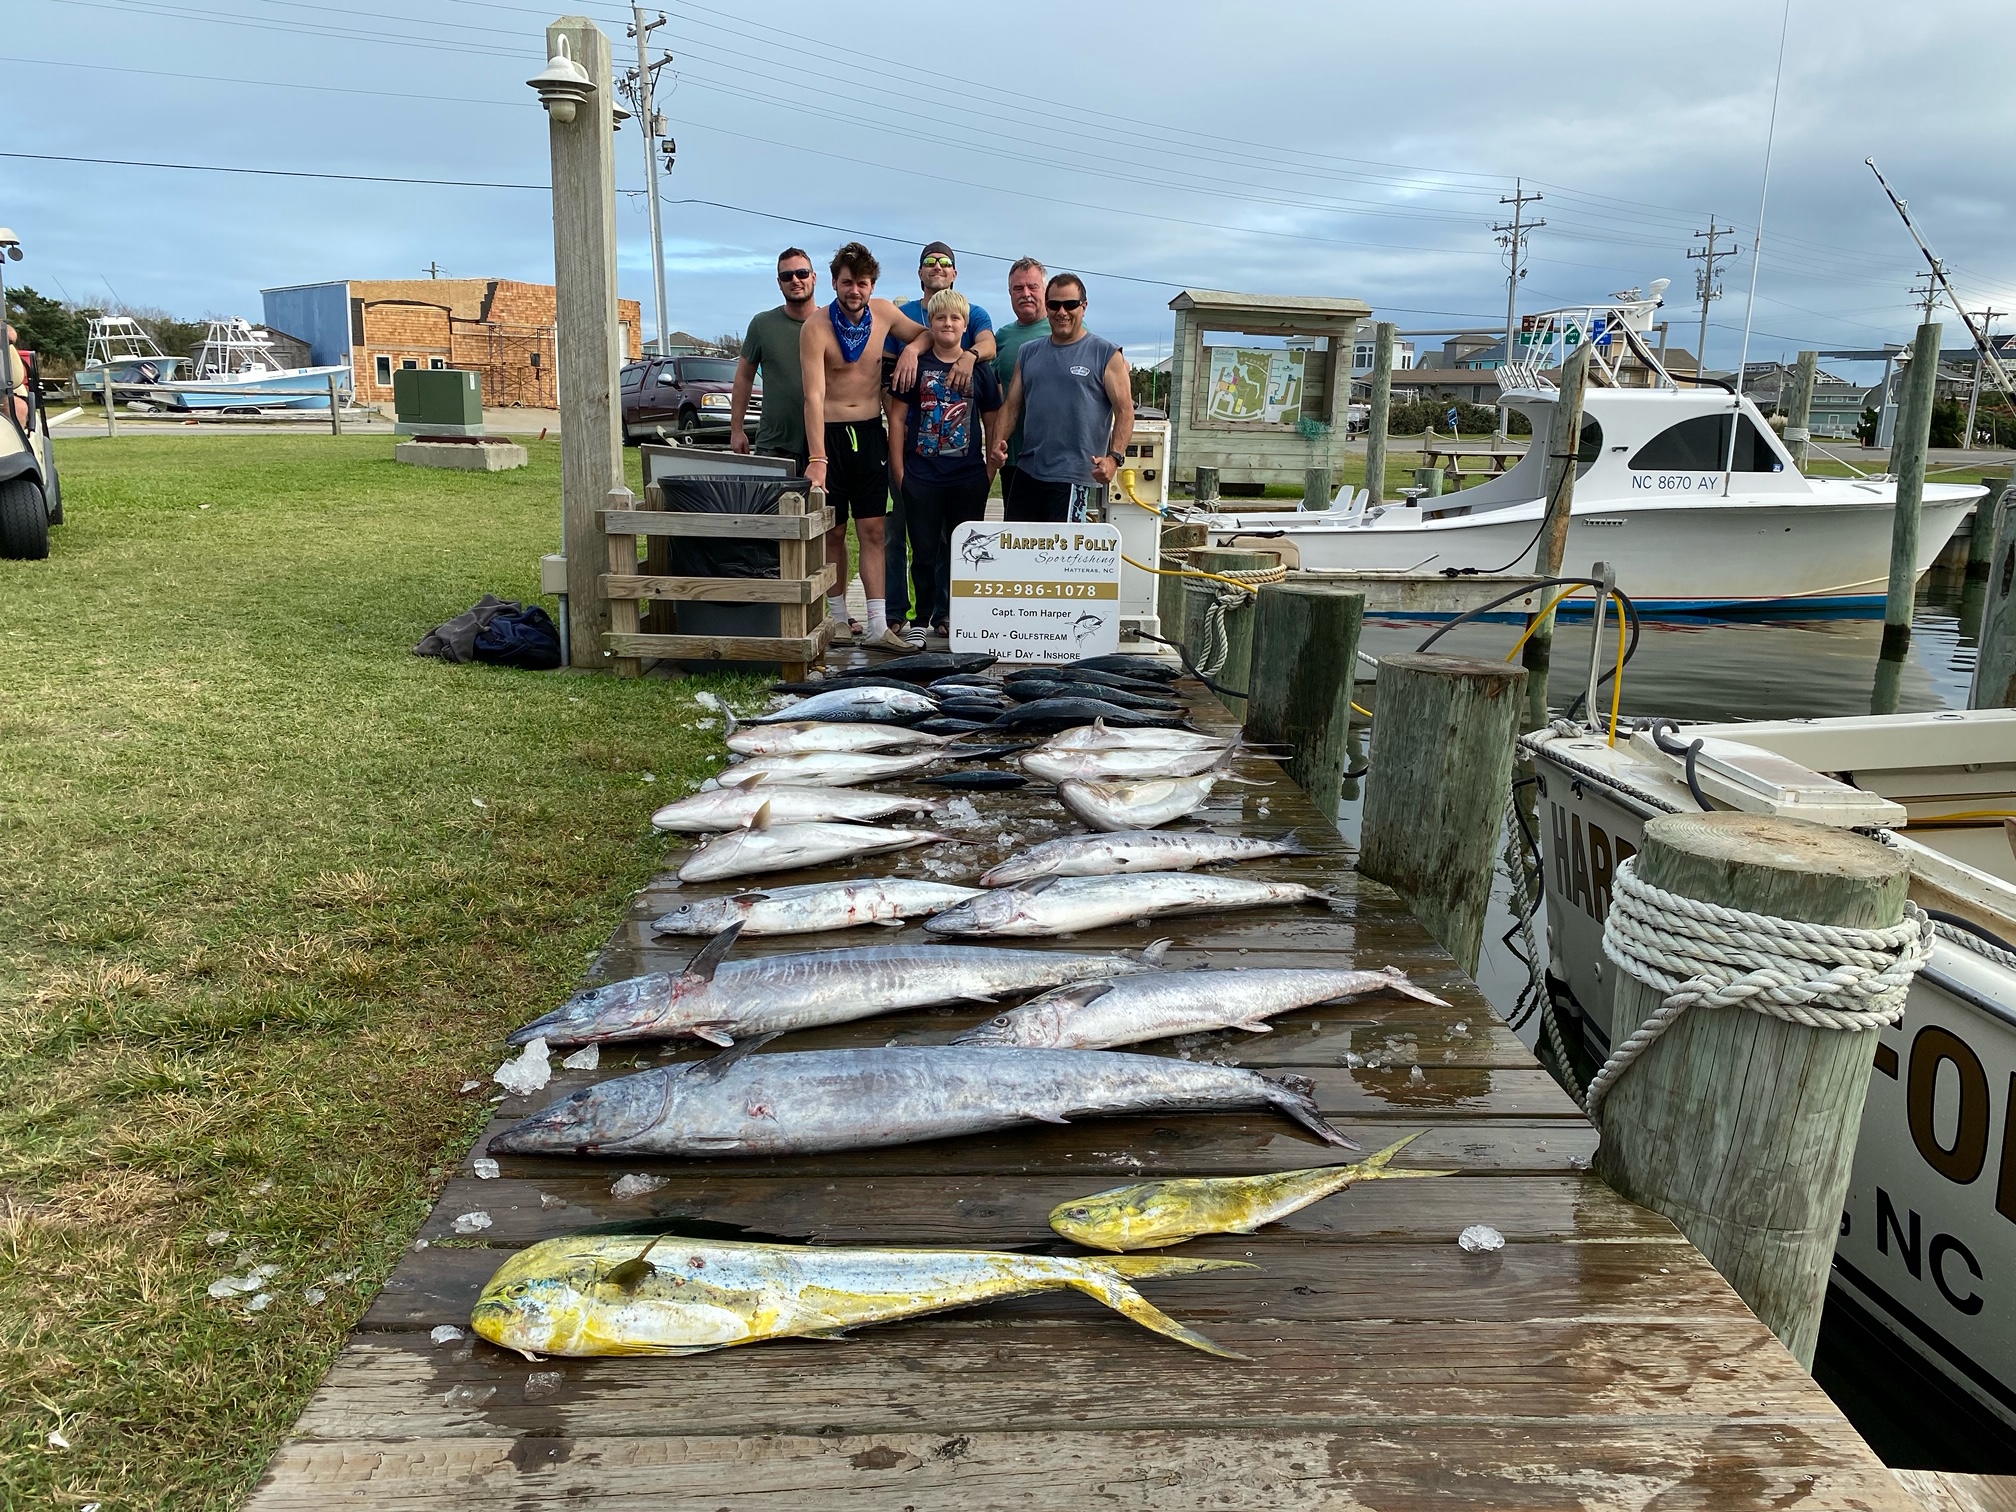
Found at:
(1081, 372)
(975, 550)
(1088, 625)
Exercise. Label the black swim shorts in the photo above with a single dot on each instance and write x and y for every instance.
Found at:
(857, 469)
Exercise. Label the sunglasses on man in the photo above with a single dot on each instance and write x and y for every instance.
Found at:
(792, 275)
(1063, 304)
(936, 260)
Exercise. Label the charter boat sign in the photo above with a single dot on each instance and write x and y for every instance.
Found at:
(1029, 592)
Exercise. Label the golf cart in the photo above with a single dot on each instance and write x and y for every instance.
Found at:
(31, 500)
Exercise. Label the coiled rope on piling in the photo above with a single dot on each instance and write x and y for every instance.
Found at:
(1824, 976)
(1226, 593)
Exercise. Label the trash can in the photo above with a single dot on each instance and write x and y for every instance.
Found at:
(725, 556)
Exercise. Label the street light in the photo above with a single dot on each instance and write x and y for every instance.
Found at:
(563, 84)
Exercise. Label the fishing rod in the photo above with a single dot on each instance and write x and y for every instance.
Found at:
(1997, 374)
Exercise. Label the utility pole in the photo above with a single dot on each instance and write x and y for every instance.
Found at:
(1926, 290)
(1974, 389)
(1708, 286)
(1512, 237)
(640, 86)
(433, 269)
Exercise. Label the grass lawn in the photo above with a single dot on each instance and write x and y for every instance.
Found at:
(273, 888)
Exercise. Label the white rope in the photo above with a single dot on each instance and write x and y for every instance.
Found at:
(1967, 940)
(1223, 600)
(1823, 976)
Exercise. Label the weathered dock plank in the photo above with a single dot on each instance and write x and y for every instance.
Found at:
(1595, 1361)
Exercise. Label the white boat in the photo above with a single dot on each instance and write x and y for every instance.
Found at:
(1927, 1254)
(236, 369)
(1687, 492)
(119, 345)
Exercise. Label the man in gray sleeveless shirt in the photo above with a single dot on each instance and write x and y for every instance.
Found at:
(1074, 399)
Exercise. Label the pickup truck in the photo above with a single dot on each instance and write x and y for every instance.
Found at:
(684, 397)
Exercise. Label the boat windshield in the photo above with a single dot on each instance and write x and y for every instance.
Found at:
(1701, 444)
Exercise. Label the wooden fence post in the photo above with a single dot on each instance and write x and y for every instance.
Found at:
(1305, 657)
(1995, 660)
(111, 414)
(1238, 618)
(622, 558)
(1381, 413)
(584, 278)
(1441, 773)
(335, 408)
(1738, 1126)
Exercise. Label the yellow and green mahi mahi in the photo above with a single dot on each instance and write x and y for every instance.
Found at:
(600, 1294)
(1153, 1214)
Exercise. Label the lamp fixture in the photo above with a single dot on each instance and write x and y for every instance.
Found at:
(563, 85)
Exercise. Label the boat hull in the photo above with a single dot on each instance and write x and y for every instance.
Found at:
(136, 370)
(1762, 556)
(1928, 1235)
(294, 388)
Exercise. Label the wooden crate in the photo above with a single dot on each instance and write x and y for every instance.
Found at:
(798, 527)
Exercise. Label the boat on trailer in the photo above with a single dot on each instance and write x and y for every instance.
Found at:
(1687, 491)
(237, 370)
(1926, 1258)
(121, 346)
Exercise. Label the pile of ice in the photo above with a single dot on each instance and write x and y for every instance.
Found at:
(526, 1073)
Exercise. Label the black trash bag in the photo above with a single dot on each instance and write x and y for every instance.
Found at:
(726, 556)
(523, 638)
(456, 640)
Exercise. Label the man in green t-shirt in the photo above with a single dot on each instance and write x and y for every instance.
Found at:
(771, 348)
(1025, 294)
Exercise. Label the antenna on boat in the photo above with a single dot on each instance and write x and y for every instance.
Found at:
(1937, 278)
(1763, 199)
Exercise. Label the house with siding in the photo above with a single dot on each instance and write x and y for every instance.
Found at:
(500, 328)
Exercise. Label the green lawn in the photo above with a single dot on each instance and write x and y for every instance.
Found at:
(273, 886)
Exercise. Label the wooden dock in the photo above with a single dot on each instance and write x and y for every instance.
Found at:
(1595, 1361)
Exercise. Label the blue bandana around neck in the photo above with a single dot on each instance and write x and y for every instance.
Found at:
(853, 338)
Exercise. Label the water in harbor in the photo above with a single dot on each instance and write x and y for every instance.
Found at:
(1746, 669)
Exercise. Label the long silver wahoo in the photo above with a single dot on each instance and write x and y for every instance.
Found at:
(814, 1101)
(733, 808)
(813, 907)
(825, 768)
(1107, 855)
(1064, 905)
(721, 1002)
(1100, 1015)
(1129, 805)
(869, 705)
(764, 847)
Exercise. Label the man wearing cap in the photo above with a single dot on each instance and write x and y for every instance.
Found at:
(937, 269)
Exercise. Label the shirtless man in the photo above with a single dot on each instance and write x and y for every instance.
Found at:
(841, 353)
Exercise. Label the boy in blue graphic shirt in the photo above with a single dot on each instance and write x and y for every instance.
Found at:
(940, 465)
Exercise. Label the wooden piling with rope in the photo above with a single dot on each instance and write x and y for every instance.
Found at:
(1206, 619)
(1304, 662)
(1737, 1124)
(1441, 774)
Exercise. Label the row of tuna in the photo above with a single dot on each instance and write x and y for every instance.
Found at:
(791, 803)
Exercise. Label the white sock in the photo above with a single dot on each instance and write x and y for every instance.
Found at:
(878, 618)
(836, 606)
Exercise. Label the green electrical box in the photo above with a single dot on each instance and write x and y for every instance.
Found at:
(437, 402)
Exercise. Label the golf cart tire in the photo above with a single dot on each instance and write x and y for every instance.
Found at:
(24, 521)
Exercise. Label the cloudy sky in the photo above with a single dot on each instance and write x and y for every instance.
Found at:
(1299, 146)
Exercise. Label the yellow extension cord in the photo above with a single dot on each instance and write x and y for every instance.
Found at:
(1623, 629)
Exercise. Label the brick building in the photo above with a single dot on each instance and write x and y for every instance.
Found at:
(498, 327)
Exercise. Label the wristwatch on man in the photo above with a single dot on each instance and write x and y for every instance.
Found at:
(1119, 458)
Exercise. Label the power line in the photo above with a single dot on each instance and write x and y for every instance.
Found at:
(1707, 281)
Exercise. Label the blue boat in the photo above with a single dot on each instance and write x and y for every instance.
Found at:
(119, 345)
(236, 369)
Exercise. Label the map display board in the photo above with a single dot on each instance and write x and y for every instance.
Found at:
(1254, 383)
(1036, 592)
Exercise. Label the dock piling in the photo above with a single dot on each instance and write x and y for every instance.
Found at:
(1564, 442)
(1205, 490)
(1738, 1125)
(1995, 659)
(1981, 533)
(1381, 413)
(1316, 488)
(1236, 616)
(1799, 411)
(1304, 662)
(1907, 461)
(1435, 801)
